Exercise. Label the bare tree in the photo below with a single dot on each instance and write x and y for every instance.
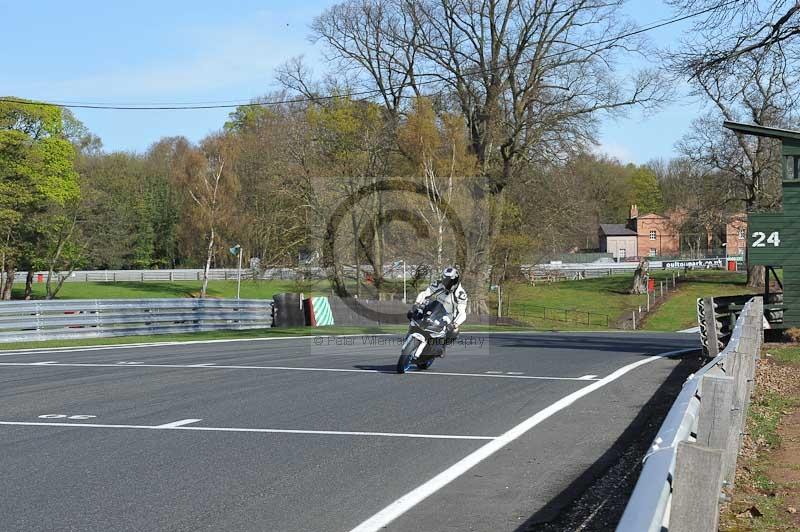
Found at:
(204, 176)
(756, 92)
(377, 40)
(726, 32)
(528, 78)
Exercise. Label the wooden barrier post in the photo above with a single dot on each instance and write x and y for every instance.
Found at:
(696, 488)
(740, 369)
(715, 416)
(712, 335)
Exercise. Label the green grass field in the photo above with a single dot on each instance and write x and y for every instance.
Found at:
(607, 299)
(176, 289)
(679, 311)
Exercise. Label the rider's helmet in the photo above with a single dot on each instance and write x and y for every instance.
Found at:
(450, 278)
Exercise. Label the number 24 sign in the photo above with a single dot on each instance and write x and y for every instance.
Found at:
(761, 239)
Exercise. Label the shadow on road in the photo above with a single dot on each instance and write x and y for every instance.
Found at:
(645, 343)
(596, 499)
(383, 368)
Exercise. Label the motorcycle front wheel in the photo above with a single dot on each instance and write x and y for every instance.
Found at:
(407, 354)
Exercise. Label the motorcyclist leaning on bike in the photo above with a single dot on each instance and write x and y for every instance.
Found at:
(449, 292)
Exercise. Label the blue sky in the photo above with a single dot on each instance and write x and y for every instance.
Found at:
(181, 51)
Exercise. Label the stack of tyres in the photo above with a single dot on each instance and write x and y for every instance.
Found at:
(287, 310)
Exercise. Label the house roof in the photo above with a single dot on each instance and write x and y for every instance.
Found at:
(616, 230)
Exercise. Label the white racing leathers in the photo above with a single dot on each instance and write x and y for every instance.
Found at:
(455, 301)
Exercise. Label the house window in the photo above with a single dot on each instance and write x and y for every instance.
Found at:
(652, 252)
(652, 235)
(742, 234)
(622, 252)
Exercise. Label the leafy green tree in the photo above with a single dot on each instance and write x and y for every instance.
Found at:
(645, 190)
(352, 147)
(37, 174)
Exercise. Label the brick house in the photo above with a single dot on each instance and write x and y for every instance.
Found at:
(736, 235)
(656, 235)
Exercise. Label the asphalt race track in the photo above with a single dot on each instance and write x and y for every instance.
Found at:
(314, 433)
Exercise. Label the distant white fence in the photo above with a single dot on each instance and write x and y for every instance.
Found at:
(216, 274)
(537, 272)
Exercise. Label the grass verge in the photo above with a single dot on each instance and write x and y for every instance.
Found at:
(595, 304)
(767, 490)
(176, 289)
(679, 310)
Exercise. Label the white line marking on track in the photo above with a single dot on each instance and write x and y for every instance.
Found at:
(48, 363)
(587, 377)
(179, 423)
(417, 495)
(34, 350)
(264, 339)
(285, 368)
(169, 426)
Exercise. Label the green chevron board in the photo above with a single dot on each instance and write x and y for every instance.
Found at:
(322, 311)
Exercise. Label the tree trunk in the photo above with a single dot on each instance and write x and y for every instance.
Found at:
(439, 245)
(204, 290)
(355, 226)
(486, 221)
(640, 278)
(755, 276)
(377, 238)
(28, 285)
(51, 294)
(9, 284)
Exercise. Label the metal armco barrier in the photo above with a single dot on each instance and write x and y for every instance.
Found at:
(694, 453)
(23, 321)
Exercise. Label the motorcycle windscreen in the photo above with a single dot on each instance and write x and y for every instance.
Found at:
(434, 311)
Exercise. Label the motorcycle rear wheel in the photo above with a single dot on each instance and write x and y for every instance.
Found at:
(425, 364)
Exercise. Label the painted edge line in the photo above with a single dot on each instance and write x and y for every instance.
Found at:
(282, 368)
(172, 426)
(679, 352)
(176, 342)
(179, 423)
(422, 492)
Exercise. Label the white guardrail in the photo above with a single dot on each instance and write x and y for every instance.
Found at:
(23, 321)
(693, 456)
